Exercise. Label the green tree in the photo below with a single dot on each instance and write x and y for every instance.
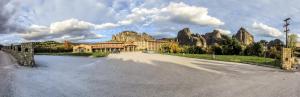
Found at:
(233, 47)
(273, 53)
(292, 41)
(217, 50)
(256, 49)
(172, 47)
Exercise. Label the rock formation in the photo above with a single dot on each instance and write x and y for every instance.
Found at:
(244, 37)
(186, 37)
(213, 38)
(130, 36)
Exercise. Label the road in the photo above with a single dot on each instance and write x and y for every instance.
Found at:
(148, 75)
(7, 66)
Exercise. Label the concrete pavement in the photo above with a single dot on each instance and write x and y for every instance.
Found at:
(150, 75)
(7, 66)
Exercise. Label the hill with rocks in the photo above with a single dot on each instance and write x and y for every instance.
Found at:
(244, 36)
(186, 37)
(130, 36)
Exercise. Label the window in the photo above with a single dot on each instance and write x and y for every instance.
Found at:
(19, 49)
(26, 50)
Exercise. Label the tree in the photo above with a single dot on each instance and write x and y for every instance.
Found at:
(172, 47)
(273, 53)
(256, 49)
(233, 48)
(292, 41)
(217, 50)
(276, 43)
(226, 40)
(237, 48)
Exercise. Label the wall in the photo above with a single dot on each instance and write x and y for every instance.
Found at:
(24, 53)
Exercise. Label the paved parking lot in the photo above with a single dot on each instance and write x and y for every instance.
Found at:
(147, 75)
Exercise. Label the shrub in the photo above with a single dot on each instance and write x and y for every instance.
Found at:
(172, 47)
(100, 54)
(273, 53)
(217, 50)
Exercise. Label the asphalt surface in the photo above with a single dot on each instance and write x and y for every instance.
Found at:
(145, 75)
(7, 66)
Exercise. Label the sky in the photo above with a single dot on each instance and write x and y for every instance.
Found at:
(98, 20)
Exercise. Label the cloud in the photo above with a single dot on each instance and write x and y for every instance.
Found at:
(7, 16)
(224, 31)
(174, 12)
(107, 26)
(267, 31)
(7, 39)
(298, 37)
(71, 29)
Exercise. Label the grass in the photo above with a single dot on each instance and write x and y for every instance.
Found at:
(235, 58)
(96, 54)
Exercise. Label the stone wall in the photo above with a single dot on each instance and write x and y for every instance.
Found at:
(23, 53)
(288, 62)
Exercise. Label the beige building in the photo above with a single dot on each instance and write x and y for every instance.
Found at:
(298, 44)
(105, 47)
(149, 45)
(119, 46)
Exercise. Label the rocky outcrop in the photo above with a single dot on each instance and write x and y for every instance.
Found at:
(213, 38)
(186, 37)
(131, 36)
(244, 37)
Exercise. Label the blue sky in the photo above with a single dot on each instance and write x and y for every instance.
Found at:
(97, 20)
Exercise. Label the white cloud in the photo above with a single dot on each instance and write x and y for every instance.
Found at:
(224, 31)
(107, 26)
(174, 12)
(71, 29)
(298, 37)
(265, 30)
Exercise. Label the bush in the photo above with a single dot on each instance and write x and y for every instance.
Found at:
(217, 50)
(256, 49)
(273, 53)
(172, 47)
(100, 54)
(233, 48)
(193, 50)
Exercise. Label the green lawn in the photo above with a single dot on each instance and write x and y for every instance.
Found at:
(235, 58)
(96, 54)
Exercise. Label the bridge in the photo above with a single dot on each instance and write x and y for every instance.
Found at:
(23, 53)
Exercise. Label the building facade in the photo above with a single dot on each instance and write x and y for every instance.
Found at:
(298, 45)
(149, 45)
(104, 47)
(119, 47)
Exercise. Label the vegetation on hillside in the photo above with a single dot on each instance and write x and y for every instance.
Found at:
(52, 47)
(230, 49)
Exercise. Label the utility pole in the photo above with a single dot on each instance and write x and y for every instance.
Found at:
(286, 30)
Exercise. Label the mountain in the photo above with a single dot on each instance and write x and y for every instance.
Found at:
(130, 36)
(186, 37)
(244, 36)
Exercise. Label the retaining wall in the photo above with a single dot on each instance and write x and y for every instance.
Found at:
(24, 53)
